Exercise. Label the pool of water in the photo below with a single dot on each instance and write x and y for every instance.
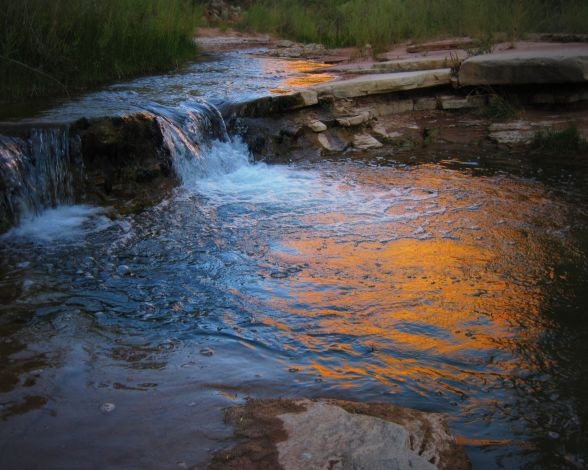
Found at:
(450, 288)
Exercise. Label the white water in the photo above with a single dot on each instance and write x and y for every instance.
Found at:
(63, 223)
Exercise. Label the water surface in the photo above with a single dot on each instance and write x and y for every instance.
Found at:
(454, 286)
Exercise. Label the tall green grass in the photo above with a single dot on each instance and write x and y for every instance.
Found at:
(384, 22)
(51, 46)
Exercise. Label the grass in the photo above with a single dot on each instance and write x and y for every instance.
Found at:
(53, 46)
(566, 141)
(385, 22)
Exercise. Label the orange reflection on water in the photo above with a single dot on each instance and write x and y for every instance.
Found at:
(298, 73)
(434, 309)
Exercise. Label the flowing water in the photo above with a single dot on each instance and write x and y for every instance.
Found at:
(449, 286)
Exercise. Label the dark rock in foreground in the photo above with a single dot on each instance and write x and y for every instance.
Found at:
(337, 434)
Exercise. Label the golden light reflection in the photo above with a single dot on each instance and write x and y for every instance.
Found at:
(439, 309)
(297, 73)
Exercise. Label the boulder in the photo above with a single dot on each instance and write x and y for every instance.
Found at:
(562, 65)
(316, 126)
(384, 83)
(366, 141)
(337, 434)
(357, 120)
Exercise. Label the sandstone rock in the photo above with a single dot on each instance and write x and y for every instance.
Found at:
(326, 436)
(330, 142)
(384, 83)
(511, 133)
(366, 141)
(268, 105)
(455, 102)
(393, 107)
(400, 65)
(316, 126)
(425, 104)
(337, 434)
(356, 120)
(565, 65)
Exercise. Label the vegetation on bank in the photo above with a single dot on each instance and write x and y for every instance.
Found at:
(385, 22)
(54, 46)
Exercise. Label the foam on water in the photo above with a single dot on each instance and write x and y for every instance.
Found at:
(68, 222)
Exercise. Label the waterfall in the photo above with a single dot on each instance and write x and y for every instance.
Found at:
(45, 169)
(197, 139)
(36, 173)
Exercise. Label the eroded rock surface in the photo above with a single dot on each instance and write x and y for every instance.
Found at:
(337, 435)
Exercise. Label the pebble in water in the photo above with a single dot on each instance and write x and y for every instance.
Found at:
(123, 270)
(206, 352)
(107, 408)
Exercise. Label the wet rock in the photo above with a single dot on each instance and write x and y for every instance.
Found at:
(331, 434)
(107, 408)
(268, 105)
(515, 67)
(124, 158)
(207, 352)
(123, 270)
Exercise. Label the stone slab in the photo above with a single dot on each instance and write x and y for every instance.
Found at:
(338, 435)
(384, 83)
(399, 65)
(564, 65)
(326, 436)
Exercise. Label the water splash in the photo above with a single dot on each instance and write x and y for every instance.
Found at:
(196, 136)
(37, 173)
(66, 222)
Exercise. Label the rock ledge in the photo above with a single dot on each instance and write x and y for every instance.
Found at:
(337, 434)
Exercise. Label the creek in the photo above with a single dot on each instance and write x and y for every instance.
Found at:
(454, 286)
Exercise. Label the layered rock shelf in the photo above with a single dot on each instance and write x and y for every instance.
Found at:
(435, 103)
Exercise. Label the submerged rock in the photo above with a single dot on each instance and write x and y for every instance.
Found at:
(336, 434)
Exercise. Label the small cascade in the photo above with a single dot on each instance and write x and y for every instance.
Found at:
(197, 139)
(36, 173)
(45, 169)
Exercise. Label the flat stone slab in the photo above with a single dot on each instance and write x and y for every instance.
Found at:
(563, 65)
(338, 435)
(398, 65)
(384, 83)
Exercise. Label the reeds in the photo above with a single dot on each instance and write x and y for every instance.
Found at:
(51, 46)
(385, 22)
